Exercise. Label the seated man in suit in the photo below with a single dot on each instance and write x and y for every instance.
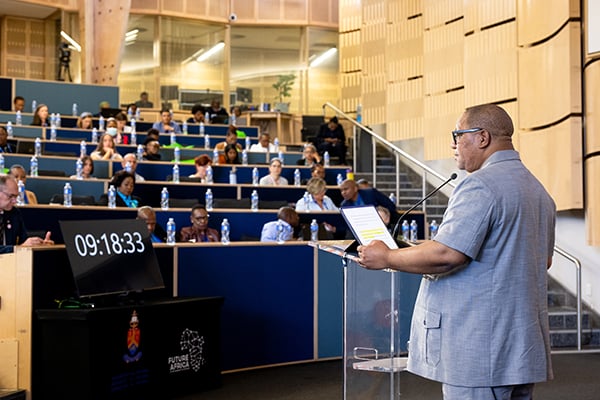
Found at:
(199, 231)
(157, 234)
(353, 196)
(290, 220)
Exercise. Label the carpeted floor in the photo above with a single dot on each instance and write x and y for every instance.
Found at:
(577, 377)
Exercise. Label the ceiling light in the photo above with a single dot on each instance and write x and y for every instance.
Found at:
(323, 57)
(210, 52)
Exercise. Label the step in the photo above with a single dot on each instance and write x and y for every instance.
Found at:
(568, 338)
(566, 318)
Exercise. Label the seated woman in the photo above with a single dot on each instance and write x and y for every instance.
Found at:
(199, 231)
(274, 177)
(310, 156)
(112, 128)
(18, 172)
(85, 121)
(317, 199)
(231, 155)
(88, 168)
(40, 116)
(107, 149)
(230, 138)
(202, 162)
(124, 182)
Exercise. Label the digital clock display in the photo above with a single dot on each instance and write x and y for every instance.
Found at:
(111, 256)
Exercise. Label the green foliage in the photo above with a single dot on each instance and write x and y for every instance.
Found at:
(283, 86)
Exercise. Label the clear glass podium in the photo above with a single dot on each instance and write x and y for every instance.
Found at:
(377, 313)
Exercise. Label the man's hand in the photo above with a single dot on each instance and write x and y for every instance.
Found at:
(38, 241)
(374, 255)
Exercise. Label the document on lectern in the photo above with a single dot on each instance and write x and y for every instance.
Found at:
(367, 225)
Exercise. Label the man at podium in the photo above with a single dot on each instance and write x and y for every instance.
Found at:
(480, 323)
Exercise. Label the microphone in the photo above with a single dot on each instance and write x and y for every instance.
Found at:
(417, 204)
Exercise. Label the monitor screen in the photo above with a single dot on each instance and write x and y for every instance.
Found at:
(111, 256)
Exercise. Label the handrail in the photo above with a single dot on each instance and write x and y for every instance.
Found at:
(577, 263)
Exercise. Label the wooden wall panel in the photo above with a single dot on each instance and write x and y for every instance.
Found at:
(562, 176)
(443, 57)
(350, 15)
(539, 19)
(439, 12)
(350, 51)
(592, 112)
(268, 10)
(490, 65)
(404, 49)
(145, 6)
(551, 71)
(592, 200)
(244, 9)
(484, 13)
(405, 110)
(351, 90)
(24, 45)
(441, 111)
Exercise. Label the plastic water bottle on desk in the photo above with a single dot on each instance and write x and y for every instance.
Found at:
(112, 197)
(82, 149)
(33, 166)
(175, 173)
(359, 113)
(405, 231)
(101, 123)
(53, 134)
(33, 105)
(209, 174)
(244, 157)
(225, 230)
(171, 232)
(1, 163)
(280, 238)
(201, 129)
(276, 144)
(393, 198)
(129, 113)
(208, 199)
(184, 128)
(9, 129)
(37, 147)
(433, 229)
(314, 231)
(206, 139)
(413, 231)
(254, 201)
(297, 177)
(75, 113)
(21, 193)
(281, 158)
(67, 195)
(164, 199)
(140, 152)
(339, 179)
(177, 154)
(233, 120)
(58, 122)
(255, 178)
(248, 142)
(232, 176)
(94, 136)
(133, 134)
(306, 197)
(79, 169)
(326, 159)
(207, 117)
(173, 138)
(215, 156)
(19, 118)
(128, 166)
(137, 114)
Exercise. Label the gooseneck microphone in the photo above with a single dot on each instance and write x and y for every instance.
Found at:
(417, 204)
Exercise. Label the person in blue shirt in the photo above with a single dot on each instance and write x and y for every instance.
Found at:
(166, 124)
(290, 220)
(124, 182)
(353, 196)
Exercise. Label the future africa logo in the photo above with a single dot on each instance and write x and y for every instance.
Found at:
(192, 358)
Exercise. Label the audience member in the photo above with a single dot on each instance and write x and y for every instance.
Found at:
(202, 162)
(19, 174)
(230, 138)
(112, 128)
(152, 151)
(289, 219)
(85, 121)
(331, 138)
(363, 183)
(166, 123)
(231, 155)
(124, 182)
(131, 111)
(88, 168)
(106, 150)
(5, 147)
(316, 171)
(102, 106)
(151, 135)
(216, 113)
(122, 128)
(310, 156)
(143, 102)
(19, 104)
(384, 213)
(157, 234)
(199, 231)
(317, 199)
(353, 196)
(12, 227)
(264, 144)
(197, 115)
(40, 116)
(274, 177)
(131, 158)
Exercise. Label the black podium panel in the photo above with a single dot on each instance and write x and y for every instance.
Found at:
(153, 350)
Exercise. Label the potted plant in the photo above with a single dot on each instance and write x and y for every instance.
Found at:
(283, 86)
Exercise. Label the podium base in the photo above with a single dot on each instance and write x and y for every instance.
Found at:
(395, 364)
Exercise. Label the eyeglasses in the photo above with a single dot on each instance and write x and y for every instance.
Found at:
(201, 217)
(456, 134)
(10, 195)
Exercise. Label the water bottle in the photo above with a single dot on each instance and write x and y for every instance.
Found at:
(433, 229)
(280, 238)
(101, 123)
(164, 198)
(82, 149)
(339, 179)
(137, 114)
(244, 157)
(206, 139)
(140, 152)
(248, 142)
(225, 229)
(33, 166)
(405, 231)
(75, 113)
(413, 230)
(208, 199)
(314, 231)
(215, 156)
(177, 154)
(393, 198)
(233, 120)
(173, 138)
(79, 168)
(33, 105)
(280, 156)
(58, 123)
(171, 232)
(255, 178)
(175, 173)
(52, 119)
(297, 178)
(129, 113)
(95, 136)
(201, 129)
(185, 128)
(21, 193)
(112, 197)
(254, 201)
(53, 134)
(67, 195)
(1, 163)
(206, 117)
(326, 159)
(306, 197)
(9, 129)
(128, 166)
(133, 135)
(232, 177)
(38, 147)
(276, 144)
(209, 174)
(19, 118)
(359, 113)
